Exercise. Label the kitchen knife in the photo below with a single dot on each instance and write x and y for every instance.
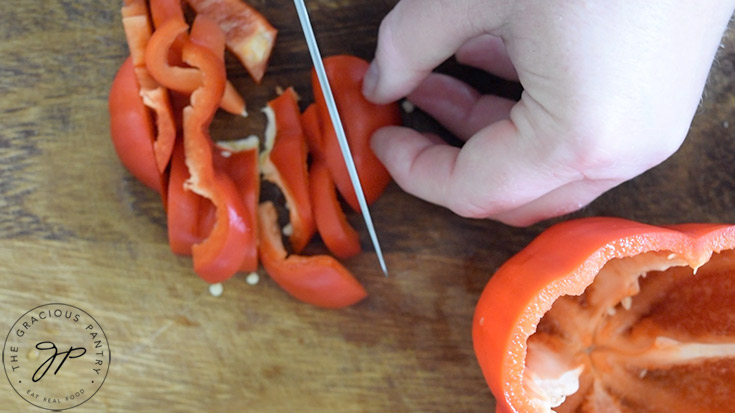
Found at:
(337, 123)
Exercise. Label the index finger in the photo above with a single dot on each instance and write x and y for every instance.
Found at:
(418, 35)
(497, 170)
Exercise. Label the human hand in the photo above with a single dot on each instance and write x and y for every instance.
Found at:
(610, 90)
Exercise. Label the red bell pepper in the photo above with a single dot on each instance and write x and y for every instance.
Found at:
(605, 314)
(360, 119)
(221, 254)
(131, 128)
(319, 280)
(284, 164)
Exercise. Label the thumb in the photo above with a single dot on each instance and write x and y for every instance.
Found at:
(418, 35)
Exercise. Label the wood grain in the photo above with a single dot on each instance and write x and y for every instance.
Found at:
(76, 228)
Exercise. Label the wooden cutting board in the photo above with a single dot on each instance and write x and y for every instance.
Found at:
(76, 228)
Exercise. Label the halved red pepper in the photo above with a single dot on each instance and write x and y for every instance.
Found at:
(284, 164)
(131, 128)
(221, 254)
(361, 119)
(606, 314)
(319, 280)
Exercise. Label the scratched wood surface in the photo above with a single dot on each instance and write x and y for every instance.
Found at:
(76, 228)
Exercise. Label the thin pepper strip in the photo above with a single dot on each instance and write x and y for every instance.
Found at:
(239, 160)
(319, 280)
(131, 128)
(184, 207)
(221, 254)
(336, 232)
(137, 28)
(284, 164)
(249, 35)
(163, 45)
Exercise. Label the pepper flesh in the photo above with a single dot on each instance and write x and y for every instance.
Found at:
(338, 235)
(163, 45)
(239, 160)
(131, 128)
(221, 254)
(336, 232)
(249, 35)
(284, 164)
(184, 207)
(585, 318)
(361, 119)
(138, 32)
(319, 280)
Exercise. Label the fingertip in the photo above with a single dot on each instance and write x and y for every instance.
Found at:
(370, 82)
(380, 142)
(418, 163)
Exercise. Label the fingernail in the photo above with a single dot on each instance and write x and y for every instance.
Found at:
(370, 81)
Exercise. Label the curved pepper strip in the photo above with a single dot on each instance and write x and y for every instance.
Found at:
(336, 232)
(249, 35)
(165, 10)
(284, 164)
(138, 32)
(585, 270)
(131, 128)
(360, 119)
(162, 45)
(221, 254)
(312, 131)
(239, 160)
(319, 280)
(184, 207)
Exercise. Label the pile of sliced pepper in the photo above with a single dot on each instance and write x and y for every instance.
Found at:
(161, 104)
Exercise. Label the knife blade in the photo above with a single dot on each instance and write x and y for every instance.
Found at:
(321, 73)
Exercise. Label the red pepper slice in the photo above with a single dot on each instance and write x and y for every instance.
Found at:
(312, 131)
(165, 10)
(249, 35)
(319, 280)
(138, 31)
(184, 208)
(284, 164)
(361, 119)
(239, 160)
(606, 314)
(336, 232)
(162, 45)
(131, 128)
(221, 254)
